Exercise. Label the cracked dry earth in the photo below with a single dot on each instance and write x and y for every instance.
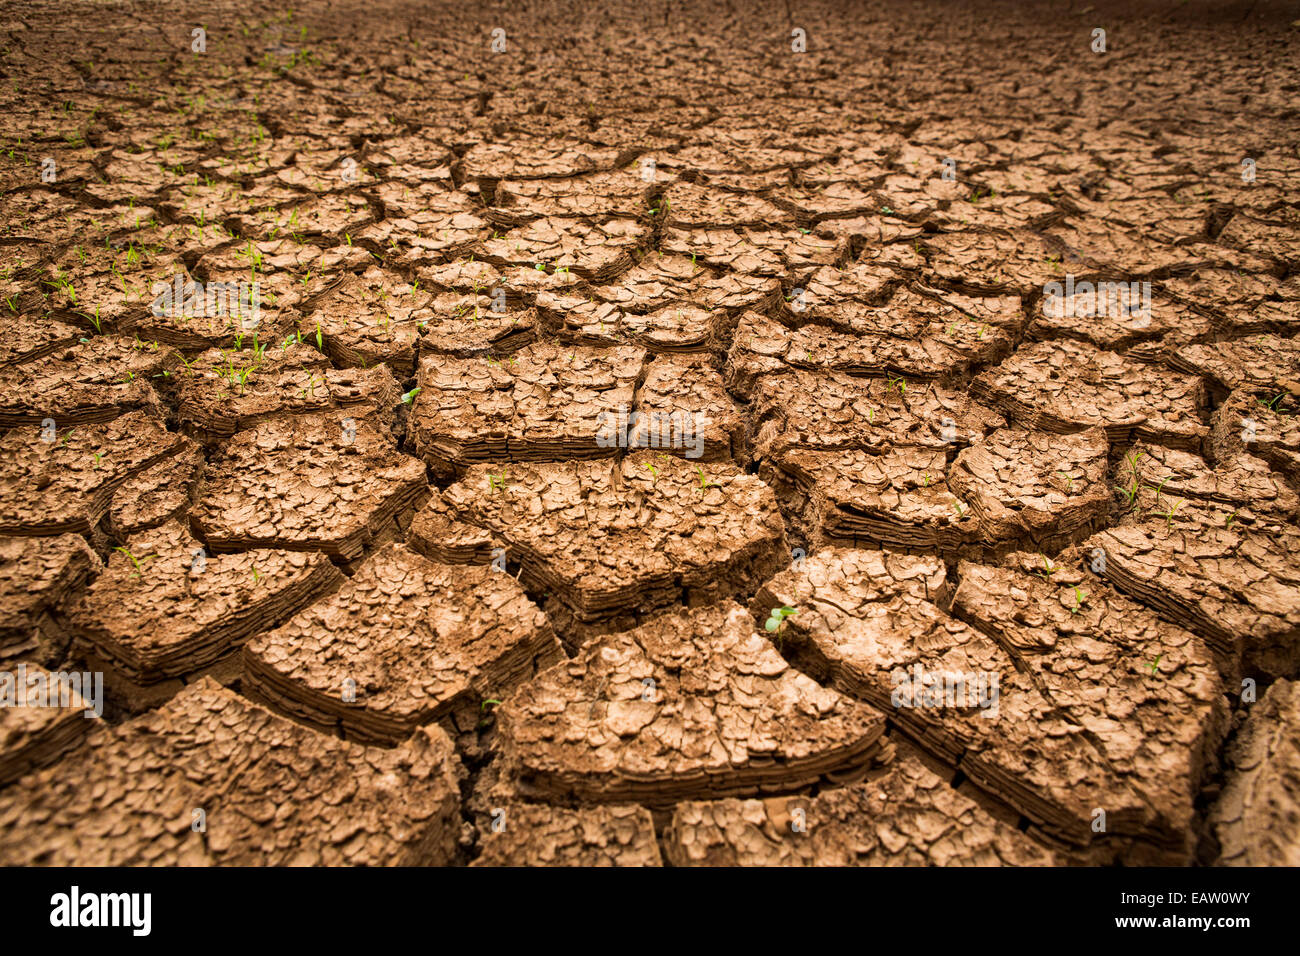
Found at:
(370, 582)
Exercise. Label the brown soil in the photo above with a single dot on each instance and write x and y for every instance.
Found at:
(633, 415)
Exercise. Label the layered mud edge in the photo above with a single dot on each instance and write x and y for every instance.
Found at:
(505, 133)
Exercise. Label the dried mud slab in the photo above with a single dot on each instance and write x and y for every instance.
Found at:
(1240, 482)
(221, 393)
(1261, 361)
(475, 325)
(331, 484)
(684, 409)
(1006, 694)
(405, 642)
(159, 494)
(367, 319)
(763, 345)
(66, 483)
(905, 816)
(39, 577)
(898, 498)
(752, 251)
(694, 705)
(91, 382)
(1038, 489)
(1121, 331)
(1143, 693)
(271, 794)
(164, 609)
(530, 157)
(616, 194)
(42, 717)
(1236, 583)
(615, 540)
(1256, 821)
(833, 411)
(542, 403)
(657, 280)
(865, 624)
(597, 252)
(1065, 386)
(439, 535)
(24, 338)
(1257, 426)
(533, 834)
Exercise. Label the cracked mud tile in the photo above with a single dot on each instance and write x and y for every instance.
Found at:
(875, 343)
(89, 382)
(1242, 483)
(899, 497)
(905, 816)
(1037, 489)
(1144, 693)
(534, 834)
(165, 610)
(222, 392)
(53, 481)
(611, 542)
(405, 642)
(1263, 425)
(597, 252)
(1254, 821)
(1259, 362)
(685, 410)
(42, 717)
(802, 409)
(863, 624)
(39, 579)
(1065, 386)
(211, 779)
(156, 495)
(693, 705)
(332, 483)
(1232, 579)
(543, 402)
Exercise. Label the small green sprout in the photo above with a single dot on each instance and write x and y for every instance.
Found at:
(1079, 597)
(409, 397)
(776, 620)
(704, 481)
(137, 563)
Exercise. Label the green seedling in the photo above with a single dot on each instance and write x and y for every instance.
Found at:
(1156, 664)
(1079, 597)
(704, 481)
(497, 482)
(1069, 482)
(1048, 570)
(1229, 519)
(136, 563)
(320, 342)
(1168, 515)
(409, 397)
(775, 623)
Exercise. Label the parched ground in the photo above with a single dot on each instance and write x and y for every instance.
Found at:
(670, 434)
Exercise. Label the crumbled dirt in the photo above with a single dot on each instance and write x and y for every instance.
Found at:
(625, 407)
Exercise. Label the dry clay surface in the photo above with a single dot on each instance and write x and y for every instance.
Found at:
(769, 434)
